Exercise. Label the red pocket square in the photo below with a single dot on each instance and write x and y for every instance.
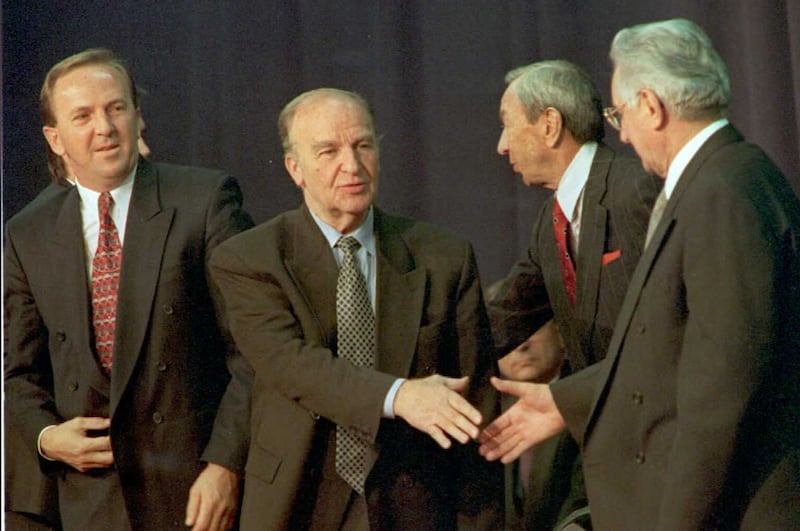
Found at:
(610, 257)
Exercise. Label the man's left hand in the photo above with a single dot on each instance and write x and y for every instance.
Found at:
(213, 499)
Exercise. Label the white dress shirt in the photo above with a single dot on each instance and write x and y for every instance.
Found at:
(570, 191)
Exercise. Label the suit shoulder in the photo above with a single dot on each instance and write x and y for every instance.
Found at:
(270, 234)
(181, 176)
(42, 210)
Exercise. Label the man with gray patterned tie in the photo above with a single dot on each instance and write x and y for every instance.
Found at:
(370, 344)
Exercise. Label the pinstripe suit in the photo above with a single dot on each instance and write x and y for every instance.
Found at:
(617, 200)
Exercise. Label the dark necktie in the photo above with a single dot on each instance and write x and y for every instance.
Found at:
(655, 216)
(105, 282)
(561, 231)
(356, 343)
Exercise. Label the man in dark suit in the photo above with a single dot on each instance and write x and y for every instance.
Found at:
(134, 437)
(552, 132)
(430, 332)
(31, 495)
(692, 421)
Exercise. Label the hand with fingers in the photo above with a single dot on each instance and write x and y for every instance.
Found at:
(532, 419)
(434, 405)
(213, 499)
(76, 443)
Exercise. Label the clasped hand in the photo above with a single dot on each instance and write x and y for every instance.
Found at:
(434, 405)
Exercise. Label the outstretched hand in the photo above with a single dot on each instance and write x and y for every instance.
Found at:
(531, 420)
(435, 406)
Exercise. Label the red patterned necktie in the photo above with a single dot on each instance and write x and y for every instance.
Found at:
(561, 231)
(105, 282)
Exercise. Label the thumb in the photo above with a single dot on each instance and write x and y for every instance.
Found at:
(456, 384)
(191, 508)
(94, 423)
(509, 387)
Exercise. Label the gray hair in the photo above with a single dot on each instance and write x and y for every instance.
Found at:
(565, 87)
(286, 117)
(676, 60)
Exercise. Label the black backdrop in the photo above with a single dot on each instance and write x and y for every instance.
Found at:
(218, 72)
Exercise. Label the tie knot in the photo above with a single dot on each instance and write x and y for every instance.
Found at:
(104, 203)
(348, 244)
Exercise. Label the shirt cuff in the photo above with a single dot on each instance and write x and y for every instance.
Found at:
(39, 443)
(388, 403)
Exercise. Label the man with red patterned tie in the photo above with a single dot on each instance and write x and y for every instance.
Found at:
(117, 370)
(584, 247)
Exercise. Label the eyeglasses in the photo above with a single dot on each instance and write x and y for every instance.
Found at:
(614, 116)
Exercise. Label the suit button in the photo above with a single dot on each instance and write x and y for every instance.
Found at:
(161, 366)
(639, 458)
(640, 329)
(637, 398)
(73, 386)
(167, 309)
(158, 418)
(61, 336)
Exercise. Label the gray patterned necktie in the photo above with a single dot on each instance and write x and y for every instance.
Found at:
(655, 216)
(356, 343)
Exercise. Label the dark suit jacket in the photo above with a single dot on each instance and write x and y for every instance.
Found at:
(617, 201)
(279, 284)
(28, 490)
(692, 420)
(616, 208)
(170, 354)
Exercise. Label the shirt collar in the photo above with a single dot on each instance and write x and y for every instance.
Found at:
(121, 194)
(574, 179)
(365, 233)
(687, 152)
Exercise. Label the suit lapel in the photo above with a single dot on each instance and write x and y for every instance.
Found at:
(724, 136)
(592, 240)
(313, 268)
(402, 286)
(145, 237)
(68, 250)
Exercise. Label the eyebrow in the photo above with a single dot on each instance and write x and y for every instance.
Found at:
(369, 137)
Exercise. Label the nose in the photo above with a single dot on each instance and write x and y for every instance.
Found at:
(350, 160)
(502, 144)
(103, 124)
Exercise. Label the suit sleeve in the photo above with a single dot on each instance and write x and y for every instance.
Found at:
(27, 368)
(230, 437)
(521, 304)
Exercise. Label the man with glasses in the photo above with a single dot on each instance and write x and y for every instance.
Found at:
(584, 248)
(693, 419)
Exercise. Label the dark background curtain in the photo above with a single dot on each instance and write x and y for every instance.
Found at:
(217, 74)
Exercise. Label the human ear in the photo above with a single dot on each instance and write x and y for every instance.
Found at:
(295, 171)
(53, 139)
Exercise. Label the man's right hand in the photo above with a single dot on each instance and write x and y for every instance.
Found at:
(435, 406)
(70, 443)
